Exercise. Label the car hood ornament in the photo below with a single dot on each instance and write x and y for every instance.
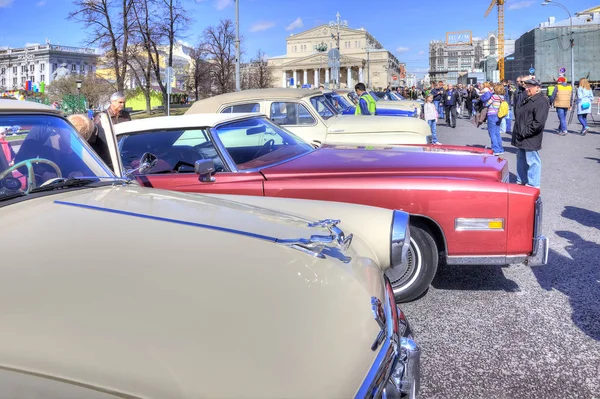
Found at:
(317, 243)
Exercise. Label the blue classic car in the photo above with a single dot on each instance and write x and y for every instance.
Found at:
(345, 107)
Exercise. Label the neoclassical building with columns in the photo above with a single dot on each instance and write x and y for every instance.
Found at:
(363, 59)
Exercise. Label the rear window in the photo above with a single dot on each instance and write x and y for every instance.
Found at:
(251, 107)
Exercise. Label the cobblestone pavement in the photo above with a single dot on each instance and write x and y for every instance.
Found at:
(514, 331)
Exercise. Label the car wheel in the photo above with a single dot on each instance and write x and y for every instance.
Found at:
(422, 265)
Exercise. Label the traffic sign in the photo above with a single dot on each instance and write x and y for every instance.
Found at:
(333, 58)
(531, 71)
(169, 78)
(394, 77)
(562, 70)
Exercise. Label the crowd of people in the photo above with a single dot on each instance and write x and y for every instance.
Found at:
(520, 110)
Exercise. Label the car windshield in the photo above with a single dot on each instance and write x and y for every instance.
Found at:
(257, 142)
(375, 96)
(353, 96)
(323, 107)
(39, 150)
(339, 102)
(248, 143)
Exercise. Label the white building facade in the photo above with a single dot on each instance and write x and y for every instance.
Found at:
(363, 59)
(38, 63)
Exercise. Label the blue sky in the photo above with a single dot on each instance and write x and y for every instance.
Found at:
(403, 27)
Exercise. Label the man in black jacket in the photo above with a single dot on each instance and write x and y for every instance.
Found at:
(528, 131)
(451, 101)
(438, 98)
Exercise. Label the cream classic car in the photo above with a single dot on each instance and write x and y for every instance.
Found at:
(309, 115)
(113, 290)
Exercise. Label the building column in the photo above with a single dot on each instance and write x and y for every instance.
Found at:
(295, 78)
(349, 80)
(284, 78)
(360, 75)
(327, 75)
(305, 77)
(316, 78)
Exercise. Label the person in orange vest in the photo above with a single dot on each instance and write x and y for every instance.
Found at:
(562, 100)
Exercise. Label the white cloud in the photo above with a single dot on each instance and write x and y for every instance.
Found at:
(402, 49)
(421, 52)
(295, 25)
(520, 4)
(260, 26)
(41, 3)
(221, 4)
(5, 3)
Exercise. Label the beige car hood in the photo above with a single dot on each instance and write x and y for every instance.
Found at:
(120, 288)
(375, 124)
(401, 104)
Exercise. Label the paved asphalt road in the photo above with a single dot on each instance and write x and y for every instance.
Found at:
(514, 331)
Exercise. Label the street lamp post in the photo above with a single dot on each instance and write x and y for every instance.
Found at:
(78, 84)
(333, 24)
(571, 42)
(237, 45)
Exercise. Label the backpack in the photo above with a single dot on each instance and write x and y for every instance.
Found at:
(503, 110)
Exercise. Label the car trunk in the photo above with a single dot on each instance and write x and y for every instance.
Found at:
(413, 160)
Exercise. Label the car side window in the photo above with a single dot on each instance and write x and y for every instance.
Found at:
(177, 150)
(285, 113)
(250, 107)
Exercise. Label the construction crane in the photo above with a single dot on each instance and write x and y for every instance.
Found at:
(500, 4)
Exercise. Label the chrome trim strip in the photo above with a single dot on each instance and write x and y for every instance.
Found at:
(476, 224)
(400, 239)
(315, 245)
(537, 225)
(485, 260)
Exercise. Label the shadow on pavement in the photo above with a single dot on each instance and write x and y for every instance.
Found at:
(578, 278)
(473, 278)
(583, 216)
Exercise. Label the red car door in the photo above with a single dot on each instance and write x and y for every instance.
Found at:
(250, 183)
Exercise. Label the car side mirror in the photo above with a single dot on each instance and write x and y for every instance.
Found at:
(205, 168)
(147, 162)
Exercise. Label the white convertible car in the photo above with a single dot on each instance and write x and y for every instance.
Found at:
(112, 290)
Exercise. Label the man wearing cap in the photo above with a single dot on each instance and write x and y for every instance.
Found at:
(528, 132)
(561, 98)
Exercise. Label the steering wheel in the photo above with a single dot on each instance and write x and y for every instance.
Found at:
(28, 163)
(265, 149)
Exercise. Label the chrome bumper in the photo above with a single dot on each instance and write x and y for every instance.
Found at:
(405, 378)
(539, 256)
(539, 253)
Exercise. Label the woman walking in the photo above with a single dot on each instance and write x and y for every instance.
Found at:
(585, 97)
(492, 100)
(431, 116)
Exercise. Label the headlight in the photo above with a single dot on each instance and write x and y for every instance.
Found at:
(400, 239)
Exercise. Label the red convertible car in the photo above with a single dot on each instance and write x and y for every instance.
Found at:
(463, 210)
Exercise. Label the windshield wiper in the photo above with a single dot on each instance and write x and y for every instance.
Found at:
(4, 197)
(65, 183)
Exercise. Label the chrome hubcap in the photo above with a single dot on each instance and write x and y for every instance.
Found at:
(402, 279)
